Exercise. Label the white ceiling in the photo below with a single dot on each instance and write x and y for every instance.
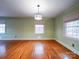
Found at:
(27, 8)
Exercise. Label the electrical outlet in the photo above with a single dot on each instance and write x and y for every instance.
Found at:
(73, 45)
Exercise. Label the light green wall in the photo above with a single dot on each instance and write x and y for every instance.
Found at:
(59, 27)
(23, 28)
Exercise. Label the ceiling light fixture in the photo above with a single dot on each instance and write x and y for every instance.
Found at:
(38, 15)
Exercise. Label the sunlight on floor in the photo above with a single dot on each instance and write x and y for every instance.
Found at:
(39, 49)
(2, 50)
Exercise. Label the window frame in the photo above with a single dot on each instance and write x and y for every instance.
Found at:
(71, 36)
(4, 27)
(37, 28)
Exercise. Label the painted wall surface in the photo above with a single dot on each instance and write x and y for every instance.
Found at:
(18, 28)
(72, 13)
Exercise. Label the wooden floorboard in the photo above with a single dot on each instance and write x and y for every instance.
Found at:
(49, 49)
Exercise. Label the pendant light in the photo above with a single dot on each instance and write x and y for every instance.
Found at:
(38, 15)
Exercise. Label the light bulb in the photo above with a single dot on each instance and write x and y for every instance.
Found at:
(38, 17)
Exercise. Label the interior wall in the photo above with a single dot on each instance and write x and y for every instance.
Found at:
(24, 28)
(71, 13)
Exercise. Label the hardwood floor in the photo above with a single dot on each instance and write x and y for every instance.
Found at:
(34, 50)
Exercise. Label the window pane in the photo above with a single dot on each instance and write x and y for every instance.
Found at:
(2, 28)
(72, 29)
(39, 29)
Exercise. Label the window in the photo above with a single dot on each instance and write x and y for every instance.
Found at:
(2, 28)
(72, 29)
(39, 29)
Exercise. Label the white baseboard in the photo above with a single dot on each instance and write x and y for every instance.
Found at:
(29, 39)
(70, 48)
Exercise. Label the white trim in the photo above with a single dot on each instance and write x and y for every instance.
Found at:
(28, 39)
(70, 48)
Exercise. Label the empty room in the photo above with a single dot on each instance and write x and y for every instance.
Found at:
(39, 29)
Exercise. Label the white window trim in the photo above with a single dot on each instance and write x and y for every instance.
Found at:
(39, 29)
(74, 36)
(2, 28)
